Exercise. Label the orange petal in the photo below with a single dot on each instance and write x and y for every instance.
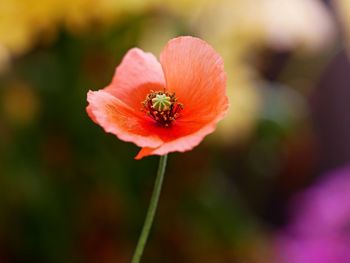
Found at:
(145, 151)
(137, 74)
(181, 137)
(195, 72)
(119, 119)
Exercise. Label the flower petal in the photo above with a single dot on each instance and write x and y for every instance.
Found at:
(195, 72)
(145, 151)
(182, 136)
(119, 119)
(138, 73)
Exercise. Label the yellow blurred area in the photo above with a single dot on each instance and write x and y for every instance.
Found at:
(20, 104)
(22, 22)
(281, 24)
(343, 9)
(31, 19)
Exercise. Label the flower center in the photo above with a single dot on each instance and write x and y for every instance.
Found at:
(162, 106)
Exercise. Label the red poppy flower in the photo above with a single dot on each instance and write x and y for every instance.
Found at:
(163, 107)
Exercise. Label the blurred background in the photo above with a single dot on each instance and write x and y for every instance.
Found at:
(275, 169)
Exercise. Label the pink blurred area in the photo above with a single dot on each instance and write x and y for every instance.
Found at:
(319, 224)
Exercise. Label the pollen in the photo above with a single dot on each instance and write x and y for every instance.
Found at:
(162, 107)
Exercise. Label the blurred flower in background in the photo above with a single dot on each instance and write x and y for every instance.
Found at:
(319, 227)
(25, 23)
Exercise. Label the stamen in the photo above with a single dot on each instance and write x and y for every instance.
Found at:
(162, 107)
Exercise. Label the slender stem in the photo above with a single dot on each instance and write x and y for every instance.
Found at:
(151, 210)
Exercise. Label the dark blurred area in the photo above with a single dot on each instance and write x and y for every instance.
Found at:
(69, 192)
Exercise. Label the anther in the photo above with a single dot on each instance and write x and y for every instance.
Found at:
(162, 106)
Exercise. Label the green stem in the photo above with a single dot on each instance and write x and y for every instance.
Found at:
(151, 210)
